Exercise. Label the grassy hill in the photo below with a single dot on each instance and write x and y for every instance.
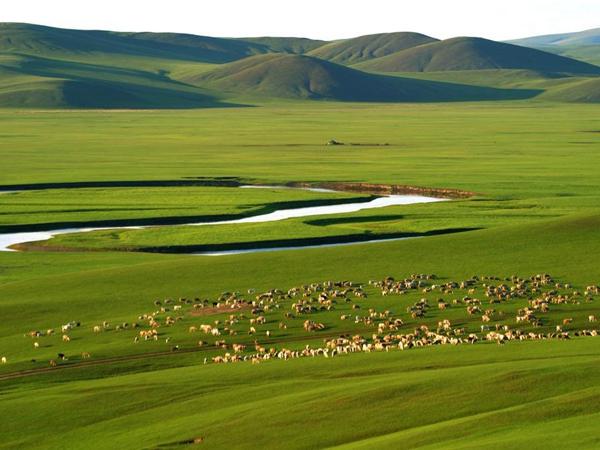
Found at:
(583, 45)
(30, 81)
(364, 48)
(467, 53)
(46, 41)
(587, 37)
(286, 44)
(551, 86)
(295, 76)
(390, 401)
(586, 53)
(45, 67)
(583, 91)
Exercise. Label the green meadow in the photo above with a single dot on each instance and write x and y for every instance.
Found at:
(532, 167)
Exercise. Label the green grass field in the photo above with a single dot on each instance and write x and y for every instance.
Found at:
(432, 398)
(532, 166)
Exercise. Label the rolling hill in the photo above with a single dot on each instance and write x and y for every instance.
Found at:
(41, 40)
(23, 38)
(583, 45)
(36, 82)
(46, 67)
(306, 77)
(364, 48)
(580, 91)
(587, 37)
(468, 53)
(286, 44)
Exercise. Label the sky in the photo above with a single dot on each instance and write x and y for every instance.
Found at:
(317, 19)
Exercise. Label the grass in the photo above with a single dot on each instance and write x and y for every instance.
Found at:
(60, 208)
(532, 165)
(517, 149)
(439, 397)
(92, 295)
(372, 224)
(524, 161)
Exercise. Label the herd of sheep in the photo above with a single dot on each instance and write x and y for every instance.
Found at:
(253, 326)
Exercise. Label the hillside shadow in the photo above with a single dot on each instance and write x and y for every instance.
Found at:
(299, 242)
(351, 220)
(188, 181)
(88, 85)
(446, 91)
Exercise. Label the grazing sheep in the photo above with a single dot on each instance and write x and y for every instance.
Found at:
(66, 338)
(539, 293)
(3, 360)
(309, 325)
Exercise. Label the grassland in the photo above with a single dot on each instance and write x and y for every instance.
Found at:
(522, 159)
(64, 208)
(509, 149)
(428, 398)
(537, 209)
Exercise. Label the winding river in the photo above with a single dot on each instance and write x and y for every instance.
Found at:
(9, 239)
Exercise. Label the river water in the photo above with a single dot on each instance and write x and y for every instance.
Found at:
(8, 239)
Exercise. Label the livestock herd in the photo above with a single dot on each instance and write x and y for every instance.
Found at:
(333, 318)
